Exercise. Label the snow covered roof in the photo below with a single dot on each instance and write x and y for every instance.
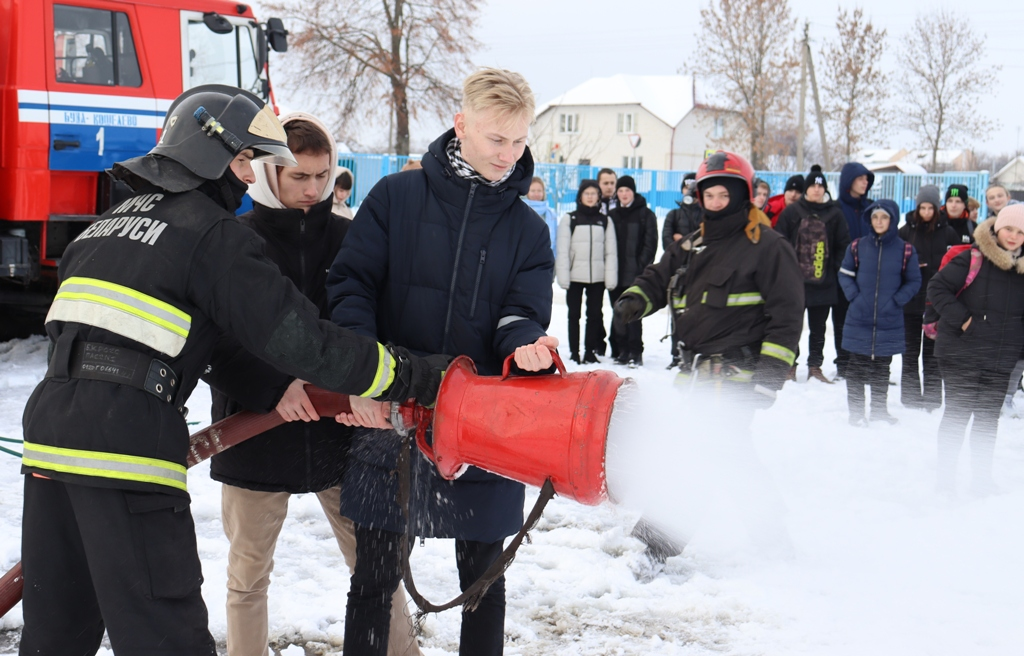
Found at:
(896, 167)
(941, 157)
(869, 156)
(1011, 167)
(668, 97)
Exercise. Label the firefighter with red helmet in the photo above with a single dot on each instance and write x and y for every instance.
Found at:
(146, 292)
(738, 302)
(736, 288)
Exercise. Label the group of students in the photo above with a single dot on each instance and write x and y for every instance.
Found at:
(603, 244)
(441, 258)
(943, 290)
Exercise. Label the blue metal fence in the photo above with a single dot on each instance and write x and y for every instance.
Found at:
(662, 188)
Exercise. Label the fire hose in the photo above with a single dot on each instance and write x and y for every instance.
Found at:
(549, 431)
(204, 444)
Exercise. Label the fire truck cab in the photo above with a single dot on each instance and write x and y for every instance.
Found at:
(86, 83)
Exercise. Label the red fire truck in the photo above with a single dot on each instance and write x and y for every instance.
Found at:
(86, 83)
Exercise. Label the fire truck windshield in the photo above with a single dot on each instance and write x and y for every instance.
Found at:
(222, 58)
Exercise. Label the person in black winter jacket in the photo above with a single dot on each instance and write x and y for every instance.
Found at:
(879, 275)
(636, 236)
(445, 258)
(739, 316)
(292, 212)
(956, 213)
(815, 226)
(980, 337)
(684, 219)
(931, 237)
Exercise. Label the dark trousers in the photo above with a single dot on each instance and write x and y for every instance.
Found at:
(920, 354)
(970, 390)
(817, 318)
(594, 338)
(99, 558)
(861, 371)
(377, 575)
(626, 338)
(838, 321)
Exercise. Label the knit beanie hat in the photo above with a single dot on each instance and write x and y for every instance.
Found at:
(958, 191)
(929, 194)
(816, 177)
(795, 183)
(627, 182)
(1011, 215)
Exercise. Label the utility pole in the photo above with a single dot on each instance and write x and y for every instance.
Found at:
(817, 105)
(803, 101)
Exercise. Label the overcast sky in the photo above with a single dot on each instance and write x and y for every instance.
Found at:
(558, 44)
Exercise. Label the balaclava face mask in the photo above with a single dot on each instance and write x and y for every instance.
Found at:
(739, 195)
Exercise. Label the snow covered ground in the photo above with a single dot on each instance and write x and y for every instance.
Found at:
(879, 565)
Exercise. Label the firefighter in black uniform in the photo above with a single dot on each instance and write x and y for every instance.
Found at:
(108, 541)
(738, 300)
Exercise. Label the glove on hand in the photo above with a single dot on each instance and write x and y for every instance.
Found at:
(630, 307)
(416, 377)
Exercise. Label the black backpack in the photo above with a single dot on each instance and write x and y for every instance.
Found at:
(813, 250)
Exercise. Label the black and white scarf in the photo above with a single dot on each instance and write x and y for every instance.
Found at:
(467, 172)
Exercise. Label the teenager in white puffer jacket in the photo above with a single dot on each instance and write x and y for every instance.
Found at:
(586, 260)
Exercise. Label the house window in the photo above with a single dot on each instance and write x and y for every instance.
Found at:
(569, 123)
(629, 162)
(626, 123)
(93, 46)
(719, 130)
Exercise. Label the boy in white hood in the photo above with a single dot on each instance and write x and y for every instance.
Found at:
(292, 212)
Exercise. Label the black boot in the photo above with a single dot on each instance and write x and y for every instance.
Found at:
(590, 358)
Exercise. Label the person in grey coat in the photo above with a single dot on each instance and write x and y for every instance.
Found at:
(587, 260)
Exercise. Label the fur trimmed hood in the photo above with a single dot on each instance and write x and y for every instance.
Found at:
(985, 239)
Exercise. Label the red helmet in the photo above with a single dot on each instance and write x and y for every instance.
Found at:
(727, 165)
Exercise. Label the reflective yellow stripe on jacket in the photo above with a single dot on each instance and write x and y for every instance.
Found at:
(105, 465)
(734, 300)
(122, 310)
(385, 373)
(780, 352)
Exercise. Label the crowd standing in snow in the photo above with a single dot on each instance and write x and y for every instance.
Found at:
(739, 270)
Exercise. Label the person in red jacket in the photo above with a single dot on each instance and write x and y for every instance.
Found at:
(793, 192)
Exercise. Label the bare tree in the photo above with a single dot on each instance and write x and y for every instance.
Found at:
(943, 81)
(856, 88)
(381, 59)
(747, 45)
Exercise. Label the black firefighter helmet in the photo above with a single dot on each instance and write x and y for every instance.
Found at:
(205, 128)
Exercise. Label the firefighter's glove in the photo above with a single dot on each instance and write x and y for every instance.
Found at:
(630, 307)
(762, 397)
(416, 377)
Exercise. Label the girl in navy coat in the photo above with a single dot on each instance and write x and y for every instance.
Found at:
(879, 275)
